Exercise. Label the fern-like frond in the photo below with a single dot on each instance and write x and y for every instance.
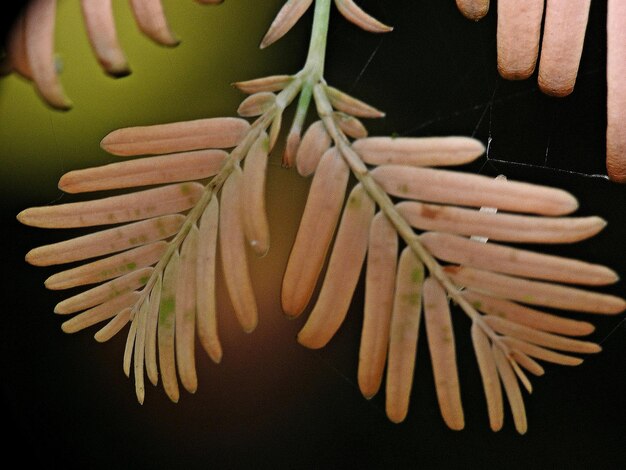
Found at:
(157, 266)
(495, 285)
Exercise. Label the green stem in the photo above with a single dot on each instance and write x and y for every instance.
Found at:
(314, 66)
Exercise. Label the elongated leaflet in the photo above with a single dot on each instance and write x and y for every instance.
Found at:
(100, 313)
(507, 260)
(151, 331)
(152, 22)
(112, 328)
(253, 186)
(356, 15)
(287, 17)
(489, 376)
(140, 350)
(350, 125)
(540, 338)
(451, 187)
(108, 268)
(519, 28)
(528, 363)
(541, 353)
(382, 256)
(100, 25)
(145, 172)
(167, 328)
(403, 335)
(345, 103)
(16, 48)
(422, 151)
(205, 278)
(40, 16)
(498, 226)
(564, 29)
(272, 83)
(186, 312)
(314, 235)
(104, 292)
(443, 353)
(343, 271)
(616, 91)
(473, 9)
(257, 104)
(527, 316)
(176, 137)
(535, 292)
(115, 209)
(513, 392)
(106, 241)
(233, 251)
(130, 340)
(315, 143)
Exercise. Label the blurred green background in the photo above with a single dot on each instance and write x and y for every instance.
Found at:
(272, 403)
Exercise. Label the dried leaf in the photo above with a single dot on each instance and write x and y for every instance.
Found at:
(106, 241)
(286, 18)
(540, 338)
(616, 91)
(541, 353)
(519, 29)
(108, 268)
(176, 137)
(356, 15)
(345, 103)
(100, 313)
(489, 374)
(564, 29)
(167, 328)
(40, 17)
(451, 187)
(16, 48)
(114, 327)
(527, 316)
(513, 392)
(315, 233)
(233, 251)
(255, 221)
(104, 292)
(504, 227)
(256, 104)
(140, 349)
(528, 363)
(443, 353)
(379, 290)
(350, 125)
(115, 209)
(403, 335)
(151, 331)
(535, 292)
(100, 25)
(315, 143)
(273, 83)
(507, 260)
(205, 275)
(152, 22)
(343, 271)
(186, 312)
(473, 9)
(118, 323)
(145, 171)
(422, 151)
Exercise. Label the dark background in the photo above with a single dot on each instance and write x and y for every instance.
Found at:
(271, 403)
